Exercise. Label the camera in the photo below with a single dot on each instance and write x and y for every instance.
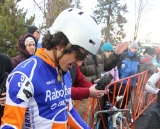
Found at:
(105, 80)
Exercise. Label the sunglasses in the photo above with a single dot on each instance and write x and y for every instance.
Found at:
(80, 55)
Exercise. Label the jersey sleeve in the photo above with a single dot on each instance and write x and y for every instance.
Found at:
(19, 91)
(75, 120)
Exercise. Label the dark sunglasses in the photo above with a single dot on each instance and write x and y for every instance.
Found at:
(80, 55)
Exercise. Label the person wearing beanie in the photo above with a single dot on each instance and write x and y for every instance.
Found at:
(36, 33)
(108, 49)
(128, 66)
(146, 61)
(156, 59)
(27, 45)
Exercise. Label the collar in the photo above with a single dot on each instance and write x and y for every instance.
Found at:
(42, 54)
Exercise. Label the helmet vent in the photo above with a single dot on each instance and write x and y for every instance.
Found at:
(80, 13)
(70, 10)
(93, 43)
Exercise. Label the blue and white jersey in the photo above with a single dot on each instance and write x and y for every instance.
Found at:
(36, 100)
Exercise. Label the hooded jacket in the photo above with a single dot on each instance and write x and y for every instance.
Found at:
(23, 53)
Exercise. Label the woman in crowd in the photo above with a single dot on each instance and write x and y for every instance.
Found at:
(108, 49)
(27, 45)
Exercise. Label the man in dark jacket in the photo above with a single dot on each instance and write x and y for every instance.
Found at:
(36, 33)
(5, 67)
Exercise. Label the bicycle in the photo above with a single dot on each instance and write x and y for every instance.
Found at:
(116, 115)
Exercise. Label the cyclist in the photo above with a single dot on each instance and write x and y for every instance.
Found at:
(39, 89)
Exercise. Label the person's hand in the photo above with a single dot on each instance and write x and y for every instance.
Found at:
(121, 48)
(96, 81)
(94, 93)
(3, 99)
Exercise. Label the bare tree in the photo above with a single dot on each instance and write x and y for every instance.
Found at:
(140, 7)
(51, 9)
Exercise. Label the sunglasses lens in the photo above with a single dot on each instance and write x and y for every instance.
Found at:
(80, 55)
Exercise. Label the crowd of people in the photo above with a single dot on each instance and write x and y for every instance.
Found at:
(46, 79)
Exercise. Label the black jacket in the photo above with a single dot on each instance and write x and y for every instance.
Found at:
(5, 66)
(7, 63)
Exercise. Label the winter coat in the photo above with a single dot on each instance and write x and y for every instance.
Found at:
(147, 64)
(80, 88)
(7, 64)
(23, 53)
(93, 65)
(114, 73)
(128, 66)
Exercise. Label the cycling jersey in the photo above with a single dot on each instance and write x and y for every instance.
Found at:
(36, 100)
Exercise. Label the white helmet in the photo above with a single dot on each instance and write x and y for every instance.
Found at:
(80, 29)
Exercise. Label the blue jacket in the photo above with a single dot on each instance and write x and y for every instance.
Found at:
(128, 66)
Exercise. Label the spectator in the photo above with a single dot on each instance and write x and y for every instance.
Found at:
(36, 33)
(146, 61)
(26, 47)
(128, 66)
(5, 68)
(156, 59)
(108, 49)
(41, 86)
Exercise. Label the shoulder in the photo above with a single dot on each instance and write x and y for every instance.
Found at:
(30, 65)
(5, 57)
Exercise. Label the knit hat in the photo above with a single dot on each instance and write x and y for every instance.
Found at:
(107, 47)
(28, 40)
(31, 29)
(133, 44)
(150, 51)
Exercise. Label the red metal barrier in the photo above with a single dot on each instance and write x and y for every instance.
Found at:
(139, 99)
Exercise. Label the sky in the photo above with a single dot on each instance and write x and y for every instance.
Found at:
(150, 22)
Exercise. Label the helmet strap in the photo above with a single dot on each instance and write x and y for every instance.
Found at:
(60, 72)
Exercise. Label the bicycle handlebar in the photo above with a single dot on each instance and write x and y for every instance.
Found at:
(107, 111)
